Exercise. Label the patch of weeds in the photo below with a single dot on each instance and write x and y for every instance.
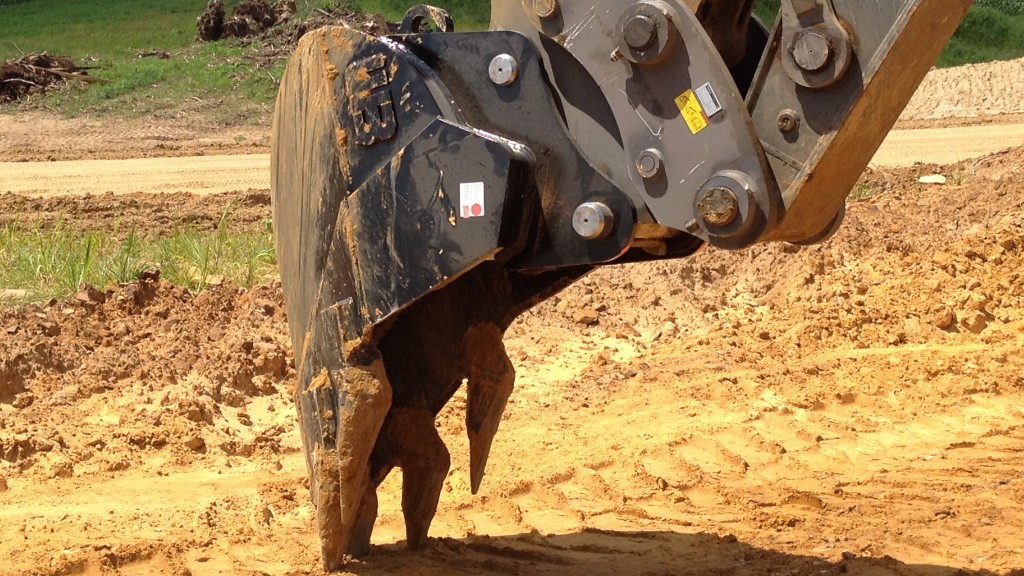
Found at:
(861, 191)
(54, 262)
(197, 259)
(960, 175)
(127, 263)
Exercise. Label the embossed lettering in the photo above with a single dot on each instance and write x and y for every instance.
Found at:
(370, 103)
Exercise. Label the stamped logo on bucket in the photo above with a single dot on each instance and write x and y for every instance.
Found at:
(471, 199)
(368, 82)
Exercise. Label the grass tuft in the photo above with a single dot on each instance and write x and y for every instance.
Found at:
(861, 191)
(56, 262)
(960, 174)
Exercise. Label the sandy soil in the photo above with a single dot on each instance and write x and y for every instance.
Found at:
(856, 407)
(956, 115)
(948, 145)
(976, 93)
(193, 174)
(202, 175)
(42, 137)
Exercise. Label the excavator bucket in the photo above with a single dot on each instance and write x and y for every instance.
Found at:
(393, 223)
(428, 187)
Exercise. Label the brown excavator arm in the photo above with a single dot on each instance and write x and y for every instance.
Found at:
(429, 186)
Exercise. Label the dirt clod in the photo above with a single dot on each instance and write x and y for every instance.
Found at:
(210, 23)
(586, 317)
(195, 443)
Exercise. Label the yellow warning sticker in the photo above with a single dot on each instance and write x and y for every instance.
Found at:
(690, 108)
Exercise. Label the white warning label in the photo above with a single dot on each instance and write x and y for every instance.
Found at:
(708, 100)
(471, 199)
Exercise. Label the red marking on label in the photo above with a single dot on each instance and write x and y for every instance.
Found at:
(471, 199)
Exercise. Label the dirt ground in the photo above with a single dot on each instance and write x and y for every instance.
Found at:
(850, 408)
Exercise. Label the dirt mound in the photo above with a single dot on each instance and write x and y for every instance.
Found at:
(276, 23)
(34, 72)
(249, 18)
(146, 366)
(852, 407)
(972, 91)
(963, 242)
(211, 22)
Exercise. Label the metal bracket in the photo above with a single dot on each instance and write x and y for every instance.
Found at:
(419, 17)
(816, 47)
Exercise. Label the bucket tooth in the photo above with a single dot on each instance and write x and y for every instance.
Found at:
(345, 516)
(490, 379)
(359, 544)
(418, 450)
(327, 498)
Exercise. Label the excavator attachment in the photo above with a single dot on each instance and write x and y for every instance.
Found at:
(428, 187)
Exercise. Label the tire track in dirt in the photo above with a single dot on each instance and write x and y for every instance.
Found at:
(36, 136)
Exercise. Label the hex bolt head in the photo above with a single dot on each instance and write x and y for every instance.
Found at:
(593, 220)
(640, 32)
(788, 120)
(545, 8)
(650, 163)
(719, 207)
(812, 51)
(503, 70)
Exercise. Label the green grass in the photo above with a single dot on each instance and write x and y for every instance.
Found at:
(213, 78)
(218, 81)
(108, 35)
(766, 11)
(861, 191)
(54, 262)
(986, 34)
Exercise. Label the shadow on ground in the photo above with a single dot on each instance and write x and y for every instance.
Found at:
(600, 552)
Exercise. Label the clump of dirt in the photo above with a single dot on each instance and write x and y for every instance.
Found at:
(249, 18)
(33, 72)
(211, 22)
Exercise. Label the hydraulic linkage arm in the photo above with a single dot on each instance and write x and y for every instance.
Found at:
(428, 187)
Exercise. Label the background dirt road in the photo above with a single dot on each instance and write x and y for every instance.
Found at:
(850, 408)
(228, 173)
